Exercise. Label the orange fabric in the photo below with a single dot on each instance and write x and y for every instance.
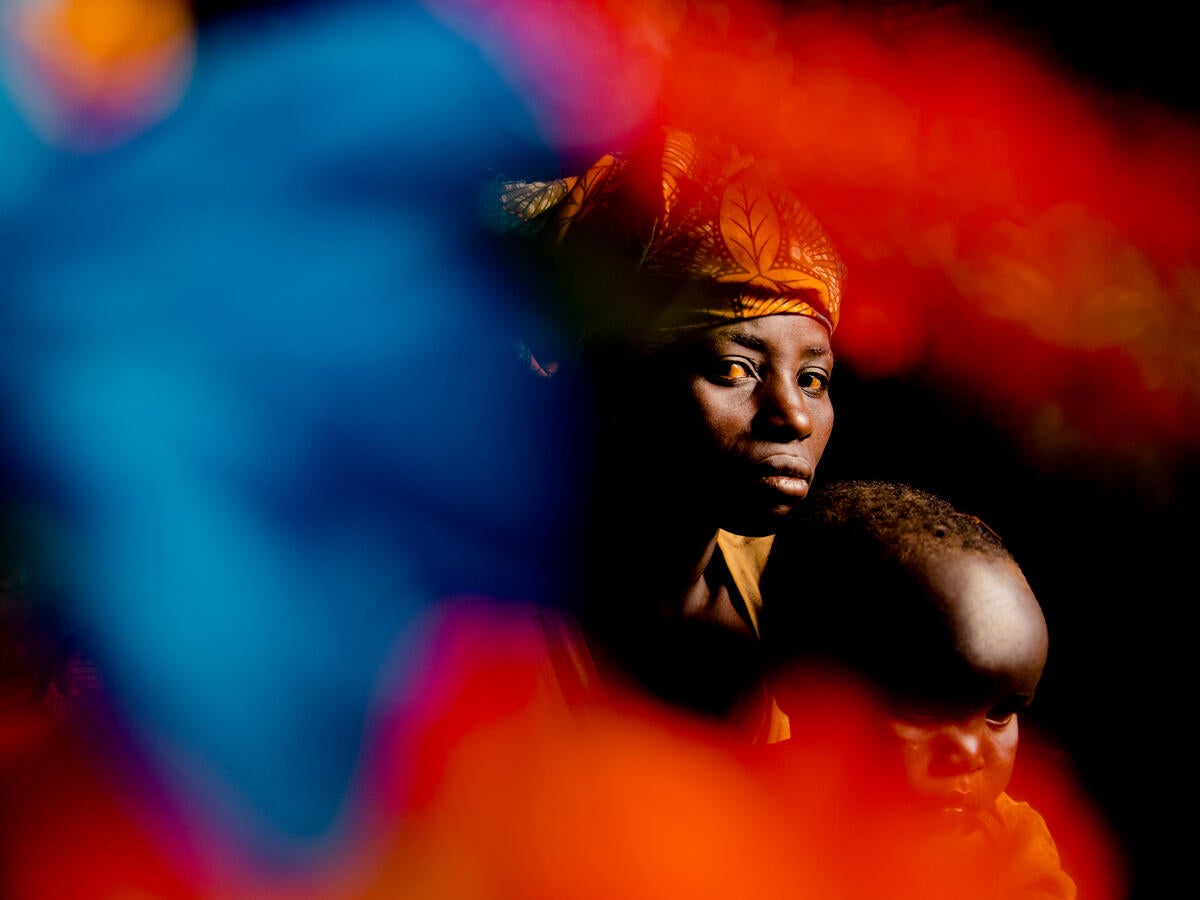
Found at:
(524, 796)
(1033, 868)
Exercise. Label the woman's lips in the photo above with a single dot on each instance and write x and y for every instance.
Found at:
(792, 480)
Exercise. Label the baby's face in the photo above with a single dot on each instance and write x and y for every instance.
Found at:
(958, 765)
(958, 752)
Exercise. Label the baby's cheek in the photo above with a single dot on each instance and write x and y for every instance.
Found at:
(913, 742)
(913, 738)
(1003, 754)
(907, 731)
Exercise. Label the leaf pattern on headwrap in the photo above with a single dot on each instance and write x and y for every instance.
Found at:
(726, 224)
(770, 257)
(522, 206)
(750, 229)
(586, 193)
(529, 199)
(678, 158)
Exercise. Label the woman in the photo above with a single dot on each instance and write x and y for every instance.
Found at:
(706, 296)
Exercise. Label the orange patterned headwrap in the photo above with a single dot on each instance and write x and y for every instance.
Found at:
(720, 235)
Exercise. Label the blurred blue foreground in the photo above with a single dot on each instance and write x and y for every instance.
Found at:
(259, 379)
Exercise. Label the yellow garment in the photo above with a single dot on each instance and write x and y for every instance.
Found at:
(745, 557)
(572, 670)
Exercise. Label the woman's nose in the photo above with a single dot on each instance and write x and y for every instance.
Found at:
(785, 409)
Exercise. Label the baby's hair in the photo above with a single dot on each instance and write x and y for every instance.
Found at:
(897, 516)
(846, 581)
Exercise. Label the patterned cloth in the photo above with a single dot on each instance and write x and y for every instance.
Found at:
(716, 228)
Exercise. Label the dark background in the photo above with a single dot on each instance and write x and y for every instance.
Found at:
(1112, 566)
(1112, 572)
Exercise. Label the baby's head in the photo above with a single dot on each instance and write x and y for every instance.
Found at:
(894, 586)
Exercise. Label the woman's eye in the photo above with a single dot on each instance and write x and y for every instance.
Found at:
(999, 720)
(733, 369)
(813, 382)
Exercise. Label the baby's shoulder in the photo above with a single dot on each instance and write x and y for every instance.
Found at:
(1031, 850)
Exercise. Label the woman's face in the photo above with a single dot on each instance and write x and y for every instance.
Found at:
(759, 416)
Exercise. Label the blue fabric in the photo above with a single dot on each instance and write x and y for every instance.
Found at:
(259, 370)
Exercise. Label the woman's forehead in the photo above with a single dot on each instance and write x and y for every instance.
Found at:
(800, 333)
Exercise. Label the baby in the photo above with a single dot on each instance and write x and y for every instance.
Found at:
(897, 590)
